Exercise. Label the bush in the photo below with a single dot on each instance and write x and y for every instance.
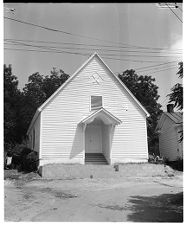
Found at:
(32, 161)
(23, 158)
(16, 157)
(176, 165)
(18, 149)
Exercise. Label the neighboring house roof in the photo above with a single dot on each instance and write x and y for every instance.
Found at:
(176, 118)
(70, 79)
(102, 114)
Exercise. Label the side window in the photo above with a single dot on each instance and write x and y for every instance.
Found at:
(96, 102)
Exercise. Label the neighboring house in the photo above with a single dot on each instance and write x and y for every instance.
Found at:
(169, 126)
(93, 114)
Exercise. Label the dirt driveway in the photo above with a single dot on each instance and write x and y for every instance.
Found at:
(154, 199)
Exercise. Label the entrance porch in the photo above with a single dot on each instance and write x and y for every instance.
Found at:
(98, 135)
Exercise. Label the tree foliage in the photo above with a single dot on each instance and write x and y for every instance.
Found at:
(146, 92)
(11, 98)
(176, 95)
(38, 89)
(20, 106)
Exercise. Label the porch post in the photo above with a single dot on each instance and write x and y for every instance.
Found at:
(84, 127)
(110, 142)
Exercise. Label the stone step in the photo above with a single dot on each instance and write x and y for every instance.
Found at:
(95, 159)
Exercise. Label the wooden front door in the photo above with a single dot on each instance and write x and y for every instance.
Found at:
(93, 139)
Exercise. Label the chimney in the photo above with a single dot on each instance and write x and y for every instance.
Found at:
(170, 108)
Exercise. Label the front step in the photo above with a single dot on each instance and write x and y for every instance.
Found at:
(95, 159)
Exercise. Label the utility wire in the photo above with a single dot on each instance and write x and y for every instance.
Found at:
(69, 48)
(72, 34)
(83, 54)
(82, 44)
(62, 31)
(166, 99)
(161, 70)
(156, 65)
(151, 69)
(99, 49)
(174, 13)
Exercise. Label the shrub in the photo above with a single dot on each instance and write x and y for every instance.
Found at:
(23, 158)
(16, 157)
(32, 161)
(18, 149)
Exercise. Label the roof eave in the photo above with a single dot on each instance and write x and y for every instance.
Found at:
(33, 120)
(124, 86)
(118, 121)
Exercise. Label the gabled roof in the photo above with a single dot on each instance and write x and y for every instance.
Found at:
(102, 114)
(175, 117)
(72, 77)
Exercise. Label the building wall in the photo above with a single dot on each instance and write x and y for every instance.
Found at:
(62, 139)
(168, 140)
(180, 144)
(36, 127)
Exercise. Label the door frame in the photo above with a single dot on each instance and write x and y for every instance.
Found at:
(111, 129)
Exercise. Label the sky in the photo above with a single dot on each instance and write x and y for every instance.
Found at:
(153, 36)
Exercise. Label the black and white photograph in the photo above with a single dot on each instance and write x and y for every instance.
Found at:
(93, 112)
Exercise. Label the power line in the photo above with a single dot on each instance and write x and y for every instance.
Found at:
(164, 100)
(84, 54)
(156, 65)
(72, 34)
(82, 44)
(141, 71)
(161, 70)
(99, 48)
(69, 48)
(174, 13)
(62, 31)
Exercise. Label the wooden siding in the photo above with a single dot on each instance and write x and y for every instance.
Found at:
(168, 139)
(180, 144)
(36, 127)
(62, 137)
(106, 142)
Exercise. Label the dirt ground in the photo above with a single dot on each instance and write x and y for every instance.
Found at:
(134, 199)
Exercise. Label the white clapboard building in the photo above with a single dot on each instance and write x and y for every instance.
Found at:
(169, 128)
(91, 118)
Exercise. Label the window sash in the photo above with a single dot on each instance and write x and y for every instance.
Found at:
(96, 102)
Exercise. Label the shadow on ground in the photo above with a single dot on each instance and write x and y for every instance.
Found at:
(162, 208)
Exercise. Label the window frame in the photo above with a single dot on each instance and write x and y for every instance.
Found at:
(91, 103)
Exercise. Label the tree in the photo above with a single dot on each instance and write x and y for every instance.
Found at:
(20, 106)
(176, 95)
(38, 89)
(146, 92)
(11, 98)
(54, 81)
